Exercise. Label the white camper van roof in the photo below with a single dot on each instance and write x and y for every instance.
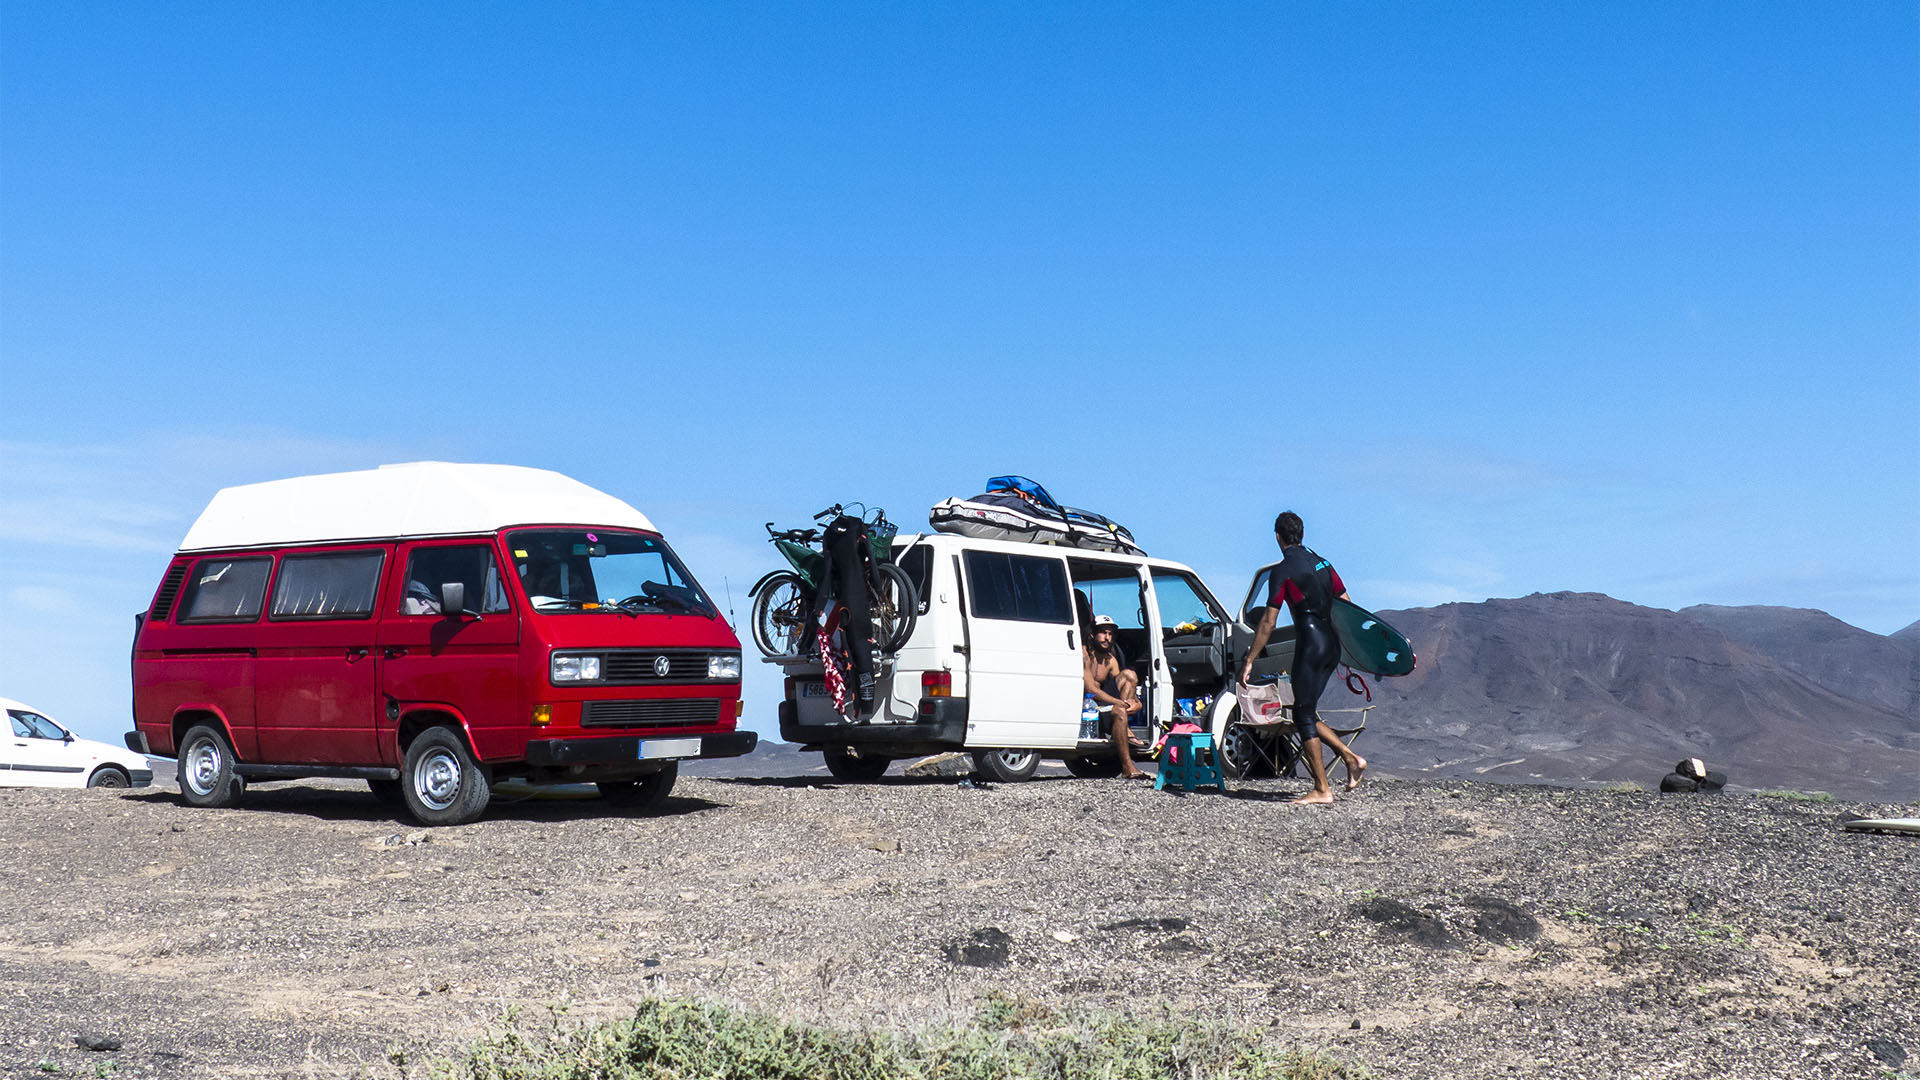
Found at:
(421, 498)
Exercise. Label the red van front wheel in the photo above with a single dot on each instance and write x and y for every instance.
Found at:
(441, 782)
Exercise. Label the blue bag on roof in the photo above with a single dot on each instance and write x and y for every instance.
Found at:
(1023, 486)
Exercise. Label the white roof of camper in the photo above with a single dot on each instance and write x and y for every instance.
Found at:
(422, 498)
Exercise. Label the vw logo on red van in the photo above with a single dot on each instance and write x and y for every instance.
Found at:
(661, 665)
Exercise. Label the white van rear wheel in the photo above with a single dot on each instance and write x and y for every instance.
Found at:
(849, 769)
(1006, 766)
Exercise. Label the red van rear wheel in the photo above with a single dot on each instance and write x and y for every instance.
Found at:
(206, 768)
(441, 782)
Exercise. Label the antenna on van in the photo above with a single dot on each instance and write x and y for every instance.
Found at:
(731, 621)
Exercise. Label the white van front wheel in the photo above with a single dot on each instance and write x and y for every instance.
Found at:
(1006, 766)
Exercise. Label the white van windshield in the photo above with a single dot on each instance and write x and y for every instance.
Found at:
(601, 570)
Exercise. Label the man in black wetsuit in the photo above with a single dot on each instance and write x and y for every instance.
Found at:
(1307, 584)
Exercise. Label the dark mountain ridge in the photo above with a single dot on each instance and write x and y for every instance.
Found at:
(1841, 657)
(1583, 687)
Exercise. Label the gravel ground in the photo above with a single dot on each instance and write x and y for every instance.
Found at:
(1423, 929)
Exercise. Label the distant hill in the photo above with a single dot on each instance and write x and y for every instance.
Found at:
(1580, 686)
(1908, 633)
(1843, 658)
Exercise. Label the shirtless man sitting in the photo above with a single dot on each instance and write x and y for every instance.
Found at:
(1113, 687)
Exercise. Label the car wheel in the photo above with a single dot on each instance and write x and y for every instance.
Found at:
(1006, 766)
(856, 770)
(387, 791)
(1094, 766)
(441, 781)
(206, 768)
(648, 793)
(108, 776)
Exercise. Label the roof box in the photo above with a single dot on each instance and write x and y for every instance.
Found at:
(422, 498)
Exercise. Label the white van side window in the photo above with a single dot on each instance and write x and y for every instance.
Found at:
(226, 590)
(1022, 588)
(327, 586)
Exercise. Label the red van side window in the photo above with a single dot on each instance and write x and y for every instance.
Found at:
(225, 590)
(327, 586)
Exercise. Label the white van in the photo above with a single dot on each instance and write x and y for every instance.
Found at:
(994, 665)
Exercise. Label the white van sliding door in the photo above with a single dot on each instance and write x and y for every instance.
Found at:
(1024, 662)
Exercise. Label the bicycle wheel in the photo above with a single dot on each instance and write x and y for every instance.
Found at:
(780, 616)
(896, 607)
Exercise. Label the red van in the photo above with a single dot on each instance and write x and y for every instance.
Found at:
(432, 628)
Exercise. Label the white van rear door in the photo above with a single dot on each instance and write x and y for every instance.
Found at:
(1024, 665)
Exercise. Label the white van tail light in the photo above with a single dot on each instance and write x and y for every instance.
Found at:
(936, 683)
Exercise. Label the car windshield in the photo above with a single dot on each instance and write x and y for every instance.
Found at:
(599, 570)
(28, 725)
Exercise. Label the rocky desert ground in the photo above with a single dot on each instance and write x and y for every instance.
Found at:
(1423, 929)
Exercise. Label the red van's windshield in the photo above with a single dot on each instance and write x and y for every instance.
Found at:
(598, 570)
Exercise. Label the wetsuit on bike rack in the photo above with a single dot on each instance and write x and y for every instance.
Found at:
(847, 551)
(1308, 584)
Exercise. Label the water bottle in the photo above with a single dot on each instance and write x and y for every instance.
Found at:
(1089, 717)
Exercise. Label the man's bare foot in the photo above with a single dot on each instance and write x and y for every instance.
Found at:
(1137, 774)
(1357, 772)
(1314, 798)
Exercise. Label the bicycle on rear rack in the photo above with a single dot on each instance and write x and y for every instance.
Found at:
(802, 613)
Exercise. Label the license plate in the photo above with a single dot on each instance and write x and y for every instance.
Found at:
(669, 748)
(814, 689)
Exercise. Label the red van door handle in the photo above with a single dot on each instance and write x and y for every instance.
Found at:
(394, 652)
(356, 654)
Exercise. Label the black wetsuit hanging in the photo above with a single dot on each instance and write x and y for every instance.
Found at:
(1307, 584)
(848, 556)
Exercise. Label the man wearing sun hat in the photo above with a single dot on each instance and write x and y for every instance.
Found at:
(1113, 688)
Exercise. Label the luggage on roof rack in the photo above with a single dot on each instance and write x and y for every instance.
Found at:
(1016, 508)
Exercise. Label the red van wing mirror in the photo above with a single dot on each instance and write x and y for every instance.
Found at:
(453, 599)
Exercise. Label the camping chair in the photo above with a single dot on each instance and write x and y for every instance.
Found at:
(1273, 745)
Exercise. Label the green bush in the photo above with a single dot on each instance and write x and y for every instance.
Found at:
(681, 1039)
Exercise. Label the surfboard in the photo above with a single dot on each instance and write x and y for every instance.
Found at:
(1368, 644)
(1884, 824)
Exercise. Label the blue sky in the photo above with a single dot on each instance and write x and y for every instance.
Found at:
(1503, 299)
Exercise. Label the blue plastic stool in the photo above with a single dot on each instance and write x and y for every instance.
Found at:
(1180, 762)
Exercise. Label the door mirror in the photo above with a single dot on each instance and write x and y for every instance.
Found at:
(453, 599)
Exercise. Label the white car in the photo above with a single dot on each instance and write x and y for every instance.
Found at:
(38, 752)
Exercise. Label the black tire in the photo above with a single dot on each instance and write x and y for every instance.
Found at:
(648, 793)
(1006, 766)
(388, 792)
(206, 768)
(1240, 757)
(107, 776)
(856, 770)
(896, 607)
(780, 615)
(441, 782)
(1094, 766)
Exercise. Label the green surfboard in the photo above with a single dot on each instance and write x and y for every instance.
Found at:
(1368, 644)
